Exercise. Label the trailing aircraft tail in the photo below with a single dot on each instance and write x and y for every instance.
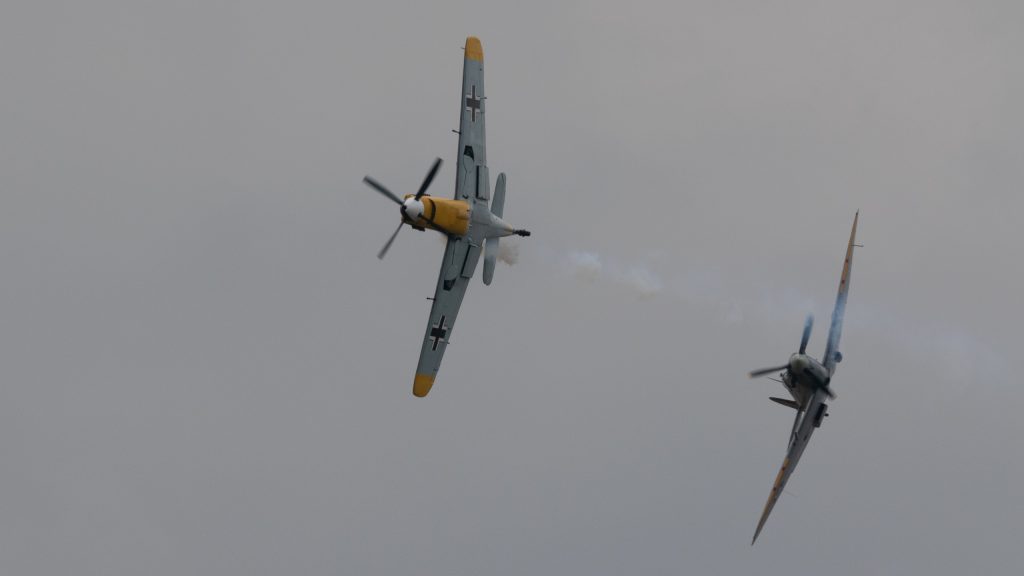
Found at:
(790, 403)
(491, 246)
(498, 199)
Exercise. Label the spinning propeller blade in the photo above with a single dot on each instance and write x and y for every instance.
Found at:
(394, 198)
(384, 250)
(428, 179)
(380, 188)
(808, 324)
(766, 371)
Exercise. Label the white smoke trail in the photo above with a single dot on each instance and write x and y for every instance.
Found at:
(586, 266)
(508, 252)
(640, 280)
(644, 282)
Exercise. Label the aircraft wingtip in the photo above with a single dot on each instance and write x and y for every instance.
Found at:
(421, 385)
(474, 50)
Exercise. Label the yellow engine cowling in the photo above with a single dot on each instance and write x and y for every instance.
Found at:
(448, 216)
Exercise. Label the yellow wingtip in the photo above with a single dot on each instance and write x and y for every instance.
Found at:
(474, 50)
(421, 385)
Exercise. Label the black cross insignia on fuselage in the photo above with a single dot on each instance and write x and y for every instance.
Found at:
(473, 103)
(438, 332)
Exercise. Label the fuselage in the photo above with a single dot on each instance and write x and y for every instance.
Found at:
(447, 216)
(455, 218)
(803, 377)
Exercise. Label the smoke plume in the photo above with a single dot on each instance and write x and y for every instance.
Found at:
(508, 252)
(591, 268)
(585, 265)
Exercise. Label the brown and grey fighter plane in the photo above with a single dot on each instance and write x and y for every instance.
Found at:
(808, 382)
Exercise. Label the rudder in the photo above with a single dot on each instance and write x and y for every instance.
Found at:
(491, 246)
(498, 199)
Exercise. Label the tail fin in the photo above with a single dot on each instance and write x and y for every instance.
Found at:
(498, 198)
(491, 246)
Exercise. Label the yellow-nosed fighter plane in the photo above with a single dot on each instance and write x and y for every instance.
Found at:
(471, 221)
(808, 381)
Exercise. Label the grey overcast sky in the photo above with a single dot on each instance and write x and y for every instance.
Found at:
(207, 371)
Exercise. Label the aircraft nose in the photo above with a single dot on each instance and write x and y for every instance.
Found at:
(413, 208)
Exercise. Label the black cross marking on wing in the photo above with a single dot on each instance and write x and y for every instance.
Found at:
(473, 103)
(438, 332)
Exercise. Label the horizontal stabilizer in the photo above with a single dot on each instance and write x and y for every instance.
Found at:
(785, 402)
(490, 257)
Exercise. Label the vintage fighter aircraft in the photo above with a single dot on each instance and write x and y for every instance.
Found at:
(472, 221)
(808, 381)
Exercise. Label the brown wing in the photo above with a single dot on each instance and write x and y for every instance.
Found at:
(803, 429)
